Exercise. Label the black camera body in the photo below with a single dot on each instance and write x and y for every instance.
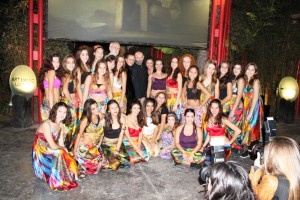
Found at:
(258, 146)
(217, 155)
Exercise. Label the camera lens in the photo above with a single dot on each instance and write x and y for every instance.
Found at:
(204, 174)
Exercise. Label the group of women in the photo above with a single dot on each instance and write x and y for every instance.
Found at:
(85, 128)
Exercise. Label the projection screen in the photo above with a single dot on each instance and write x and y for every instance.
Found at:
(182, 23)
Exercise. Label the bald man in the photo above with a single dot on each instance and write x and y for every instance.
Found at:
(139, 74)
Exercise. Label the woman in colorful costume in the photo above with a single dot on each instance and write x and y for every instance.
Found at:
(237, 106)
(150, 130)
(167, 136)
(192, 90)
(253, 108)
(97, 86)
(188, 141)
(157, 80)
(215, 124)
(112, 144)
(50, 159)
(174, 87)
(133, 140)
(225, 86)
(49, 79)
(119, 83)
(209, 80)
(87, 144)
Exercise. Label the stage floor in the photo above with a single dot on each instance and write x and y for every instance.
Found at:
(157, 179)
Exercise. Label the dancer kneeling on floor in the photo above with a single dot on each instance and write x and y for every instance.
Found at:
(112, 145)
(88, 140)
(133, 140)
(215, 125)
(51, 161)
(188, 141)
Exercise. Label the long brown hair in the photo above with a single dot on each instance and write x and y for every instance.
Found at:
(220, 115)
(195, 81)
(154, 114)
(47, 66)
(282, 157)
(68, 73)
(95, 77)
(53, 113)
(108, 117)
(204, 75)
(250, 82)
(140, 116)
(78, 60)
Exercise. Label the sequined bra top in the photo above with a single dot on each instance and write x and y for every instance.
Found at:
(216, 130)
(172, 83)
(94, 132)
(134, 132)
(97, 89)
(158, 84)
(56, 84)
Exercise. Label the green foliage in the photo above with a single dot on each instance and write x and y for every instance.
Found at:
(262, 30)
(14, 42)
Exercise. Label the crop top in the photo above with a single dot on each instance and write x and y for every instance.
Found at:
(134, 132)
(188, 141)
(171, 83)
(191, 94)
(150, 128)
(56, 84)
(83, 76)
(112, 134)
(158, 84)
(117, 83)
(216, 130)
(71, 87)
(97, 89)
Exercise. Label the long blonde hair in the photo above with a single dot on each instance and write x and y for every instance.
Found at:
(282, 157)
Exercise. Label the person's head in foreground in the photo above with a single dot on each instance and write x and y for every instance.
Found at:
(229, 181)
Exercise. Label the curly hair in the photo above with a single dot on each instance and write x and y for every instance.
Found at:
(154, 115)
(141, 116)
(250, 82)
(164, 104)
(220, 115)
(108, 117)
(195, 81)
(170, 70)
(180, 63)
(47, 66)
(229, 180)
(53, 113)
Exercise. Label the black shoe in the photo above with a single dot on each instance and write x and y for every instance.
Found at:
(245, 154)
(175, 163)
(195, 165)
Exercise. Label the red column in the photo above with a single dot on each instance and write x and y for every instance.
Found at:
(30, 44)
(213, 28)
(219, 29)
(40, 49)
